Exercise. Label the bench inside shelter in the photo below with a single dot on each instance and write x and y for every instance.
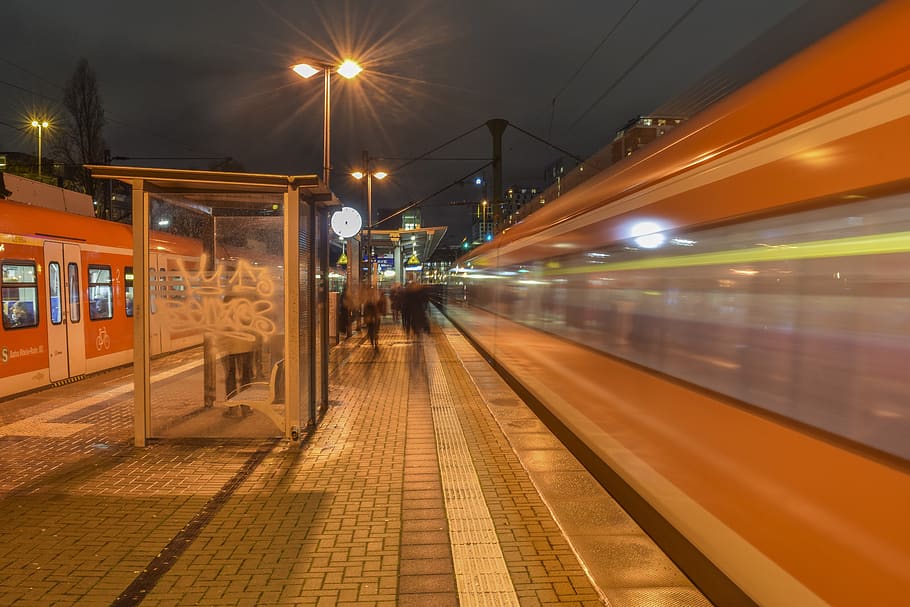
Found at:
(265, 397)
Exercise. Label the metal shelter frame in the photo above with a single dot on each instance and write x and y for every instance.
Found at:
(305, 199)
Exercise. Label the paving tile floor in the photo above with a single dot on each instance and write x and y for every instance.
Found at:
(425, 483)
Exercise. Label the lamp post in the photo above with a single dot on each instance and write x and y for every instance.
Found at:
(367, 175)
(40, 125)
(348, 69)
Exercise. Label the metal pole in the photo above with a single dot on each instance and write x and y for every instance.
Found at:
(370, 228)
(368, 176)
(39, 151)
(497, 127)
(322, 226)
(326, 164)
(142, 400)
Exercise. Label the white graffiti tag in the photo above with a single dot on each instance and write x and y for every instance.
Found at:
(234, 300)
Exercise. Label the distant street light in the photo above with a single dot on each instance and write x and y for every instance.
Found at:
(369, 174)
(40, 125)
(348, 69)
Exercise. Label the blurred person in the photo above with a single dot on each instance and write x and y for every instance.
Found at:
(351, 301)
(19, 315)
(414, 308)
(395, 299)
(344, 313)
(237, 349)
(373, 311)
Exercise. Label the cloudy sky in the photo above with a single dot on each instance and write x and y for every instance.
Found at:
(209, 78)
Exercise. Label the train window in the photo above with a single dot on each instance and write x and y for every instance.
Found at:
(72, 272)
(100, 293)
(53, 289)
(128, 290)
(19, 295)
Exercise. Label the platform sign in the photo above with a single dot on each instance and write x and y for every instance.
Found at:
(385, 262)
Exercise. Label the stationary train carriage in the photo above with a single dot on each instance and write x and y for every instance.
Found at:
(67, 295)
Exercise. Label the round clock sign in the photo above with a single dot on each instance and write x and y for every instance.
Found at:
(346, 222)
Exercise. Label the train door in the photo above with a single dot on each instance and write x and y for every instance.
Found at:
(66, 337)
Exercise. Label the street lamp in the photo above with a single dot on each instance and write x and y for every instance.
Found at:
(40, 125)
(369, 175)
(348, 69)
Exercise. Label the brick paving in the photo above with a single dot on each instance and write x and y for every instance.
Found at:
(355, 516)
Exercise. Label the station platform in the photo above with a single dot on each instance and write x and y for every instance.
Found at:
(427, 482)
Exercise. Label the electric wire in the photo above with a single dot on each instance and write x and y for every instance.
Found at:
(575, 157)
(458, 181)
(584, 63)
(637, 62)
(425, 154)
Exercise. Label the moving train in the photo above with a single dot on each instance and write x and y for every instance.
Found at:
(722, 320)
(67, 295)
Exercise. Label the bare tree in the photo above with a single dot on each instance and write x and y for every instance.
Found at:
(80, 141)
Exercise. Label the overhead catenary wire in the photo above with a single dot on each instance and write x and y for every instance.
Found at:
(406, 208)
(439, 147)
(575, 157)
(461, 179)
(585, 63)
(637, 62)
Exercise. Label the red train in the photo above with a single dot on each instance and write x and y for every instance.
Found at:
(67, 292)
(722, 319)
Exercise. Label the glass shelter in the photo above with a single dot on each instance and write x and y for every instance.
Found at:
(228, 292)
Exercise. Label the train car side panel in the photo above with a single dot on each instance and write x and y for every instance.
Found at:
(23, 340)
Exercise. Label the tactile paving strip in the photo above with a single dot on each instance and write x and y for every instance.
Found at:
(481, 573)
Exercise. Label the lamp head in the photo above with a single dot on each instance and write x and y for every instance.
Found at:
(305, 70)
(349, 69)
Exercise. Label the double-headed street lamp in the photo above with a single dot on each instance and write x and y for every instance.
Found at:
(348, 69)
(40, 125)
(367, 175)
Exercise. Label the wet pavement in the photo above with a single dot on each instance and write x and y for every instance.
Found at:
(427, 482)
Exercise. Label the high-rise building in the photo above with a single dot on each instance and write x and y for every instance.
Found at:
(514, 198)
(482, 223)
(410, 220)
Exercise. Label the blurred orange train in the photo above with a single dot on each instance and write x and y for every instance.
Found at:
(721, 323)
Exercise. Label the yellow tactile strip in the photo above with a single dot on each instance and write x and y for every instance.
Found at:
(542, 565)
(480, 569)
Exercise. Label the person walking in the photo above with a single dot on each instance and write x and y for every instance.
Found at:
(373, 311)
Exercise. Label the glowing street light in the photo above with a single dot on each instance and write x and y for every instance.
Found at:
(348, 69)
(40, 125)
(369, 175)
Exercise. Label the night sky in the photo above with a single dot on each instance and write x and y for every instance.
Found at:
(207, 78)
